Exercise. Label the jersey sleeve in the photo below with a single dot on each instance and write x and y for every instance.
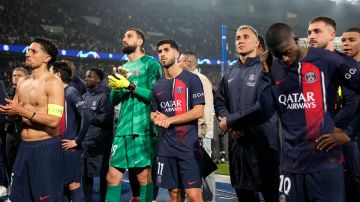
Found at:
(84, 112)
(196, 91)
(154, 102)
(348, 74)
(260, 111)
(117, 95)
(347, 112)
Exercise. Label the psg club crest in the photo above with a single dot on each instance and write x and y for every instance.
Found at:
(310, 77)
(179, 90)
(251, 80)
(137, 72)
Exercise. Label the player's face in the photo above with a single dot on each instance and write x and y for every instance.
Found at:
(167, 55)
(91, 79)
(185, 62)
(320, 35)
(130, 42)
(16, 76)
(36, 56)
(246, 42)
(288, 52)
(350, 43)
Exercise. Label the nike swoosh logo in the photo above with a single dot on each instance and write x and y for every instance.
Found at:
(192, 182)
(278, 82)
(44, 197)
(159, 93)
(230, 80)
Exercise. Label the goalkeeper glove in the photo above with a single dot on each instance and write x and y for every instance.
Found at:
(118, 82)
(122, 71)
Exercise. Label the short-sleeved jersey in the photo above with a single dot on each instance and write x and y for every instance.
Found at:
(305, 94)
(134, 114)
(173, 97)
(70, 121)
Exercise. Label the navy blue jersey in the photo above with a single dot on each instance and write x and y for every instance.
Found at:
(305, 94)
(173, 97)
(348, 100)
(75, 120)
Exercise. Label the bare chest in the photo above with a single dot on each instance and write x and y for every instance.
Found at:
(32, 93)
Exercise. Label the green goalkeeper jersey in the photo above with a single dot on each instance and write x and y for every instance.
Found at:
(134, 113)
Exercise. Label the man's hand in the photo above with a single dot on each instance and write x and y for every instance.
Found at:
(68, 144)
(202, 130)
(162, 120)
(329, 141)
(235, 134)
(266, 60)
(118, 83)
(122, 71)
(223, 125)
(10, 109)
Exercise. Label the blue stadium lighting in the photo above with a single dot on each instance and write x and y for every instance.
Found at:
(19, 49)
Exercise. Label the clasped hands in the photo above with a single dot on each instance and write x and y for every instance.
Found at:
(119, 79)
(161, 119)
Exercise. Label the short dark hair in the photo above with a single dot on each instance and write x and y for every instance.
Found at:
(98, 72)
(171, 42)
(64, 69)
(139, 33)
(261, 42)
(190, 52)
(353, 29)
(325, 19)
(22, 69)
(49, 47)
(277, 34)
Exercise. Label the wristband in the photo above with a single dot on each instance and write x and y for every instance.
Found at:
(132, 87)
(32, 116)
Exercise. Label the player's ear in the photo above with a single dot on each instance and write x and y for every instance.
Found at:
(177, 55)
(47, 58)
(296, 39)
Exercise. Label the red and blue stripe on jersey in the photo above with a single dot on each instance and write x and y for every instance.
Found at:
(174, 97)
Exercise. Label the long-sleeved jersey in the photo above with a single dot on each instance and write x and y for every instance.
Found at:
(304, 95)
(253, 156)
(134, 115)
(76, 117)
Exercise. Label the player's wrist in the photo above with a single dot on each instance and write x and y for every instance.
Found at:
(131, 87)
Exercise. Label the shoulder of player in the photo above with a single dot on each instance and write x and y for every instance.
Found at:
(72, 91)
(152, 62)
(324, 55)
(52, 81)
(23, 79)
(349, 60)
(203, 78)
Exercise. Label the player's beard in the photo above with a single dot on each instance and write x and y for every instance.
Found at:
(128, 49)
(169, 64)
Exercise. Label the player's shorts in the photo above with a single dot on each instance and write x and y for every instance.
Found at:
(175, 172)
(72, 166)
(322, 186)
(133, 151)
(37, 172)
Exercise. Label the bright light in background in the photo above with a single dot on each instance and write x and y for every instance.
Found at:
(345, 1)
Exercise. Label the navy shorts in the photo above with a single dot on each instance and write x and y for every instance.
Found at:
(322, 186)
(37, 172)
(72, 166)
(175, 172)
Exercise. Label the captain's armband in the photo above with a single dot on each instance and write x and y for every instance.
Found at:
(55, 110)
